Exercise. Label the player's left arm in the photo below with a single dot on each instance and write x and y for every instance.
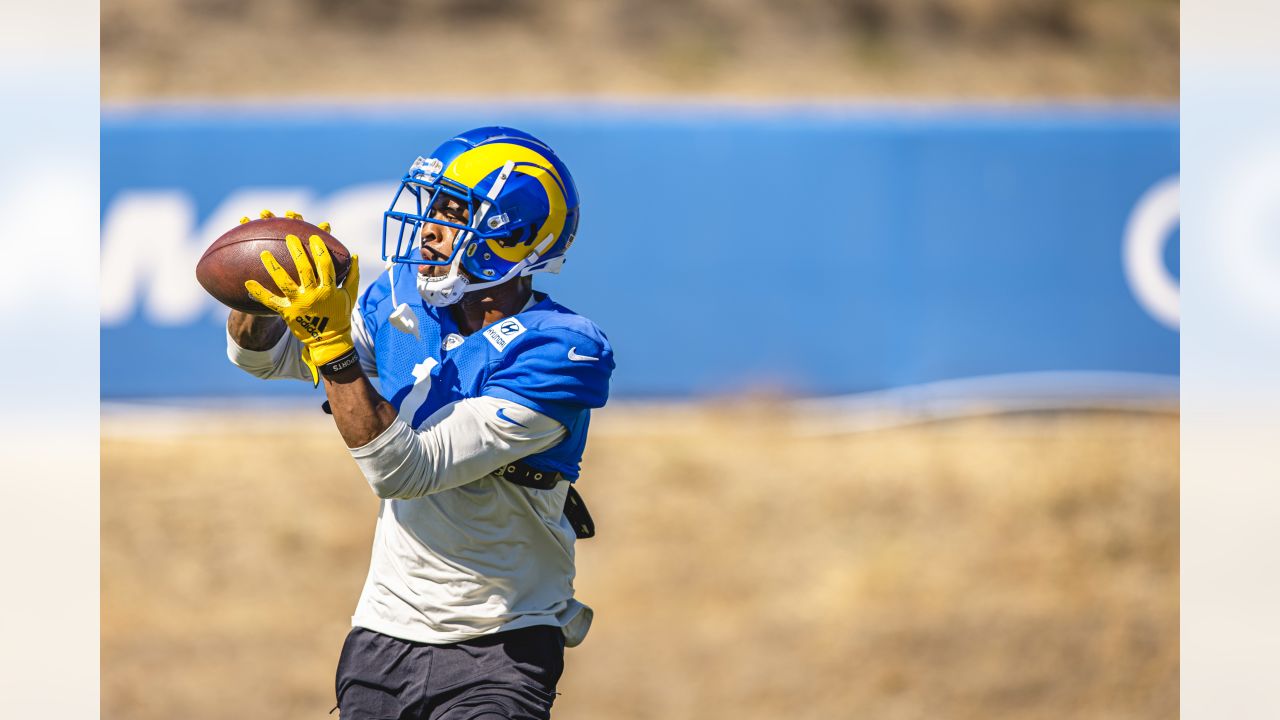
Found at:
(359, 411)
(461, 443)
(534, 392)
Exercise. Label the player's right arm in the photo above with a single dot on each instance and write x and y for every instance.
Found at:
(263, 347)
(254, 332)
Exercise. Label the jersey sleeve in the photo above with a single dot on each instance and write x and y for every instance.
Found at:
(558, 373)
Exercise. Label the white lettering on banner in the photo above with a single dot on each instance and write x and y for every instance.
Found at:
(356, 215)
(151, 244)
(1150, 226)
(144, 244)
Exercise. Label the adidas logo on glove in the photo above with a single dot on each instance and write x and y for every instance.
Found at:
(313, 324)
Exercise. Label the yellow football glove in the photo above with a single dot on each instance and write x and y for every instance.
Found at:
(265, 214)
(316, 310)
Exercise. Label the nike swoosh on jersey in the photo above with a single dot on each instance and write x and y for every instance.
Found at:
(503, 416)
(574, 356)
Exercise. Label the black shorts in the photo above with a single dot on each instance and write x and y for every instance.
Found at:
(505, 675)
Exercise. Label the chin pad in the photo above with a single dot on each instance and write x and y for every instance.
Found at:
(441, 292)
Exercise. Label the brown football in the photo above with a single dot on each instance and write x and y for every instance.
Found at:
(237, 256)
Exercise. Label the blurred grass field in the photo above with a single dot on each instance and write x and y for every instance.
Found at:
(1009, 566)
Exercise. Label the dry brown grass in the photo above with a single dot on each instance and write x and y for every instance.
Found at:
(1002, 567)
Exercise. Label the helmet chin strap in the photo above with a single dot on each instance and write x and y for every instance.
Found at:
(518, 268)
(447, 290)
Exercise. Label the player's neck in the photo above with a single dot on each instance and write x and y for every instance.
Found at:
(477, 310)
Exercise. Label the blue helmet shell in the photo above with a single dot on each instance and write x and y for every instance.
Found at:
(530, 221)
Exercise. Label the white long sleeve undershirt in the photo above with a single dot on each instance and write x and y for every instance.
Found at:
(463, 441)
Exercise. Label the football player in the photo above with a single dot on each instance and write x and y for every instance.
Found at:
(472, 436)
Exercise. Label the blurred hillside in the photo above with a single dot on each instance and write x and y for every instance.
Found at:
(945, 49)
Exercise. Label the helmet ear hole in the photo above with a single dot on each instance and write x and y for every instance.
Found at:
(517, 237)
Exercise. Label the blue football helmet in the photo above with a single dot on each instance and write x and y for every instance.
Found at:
(522, 211)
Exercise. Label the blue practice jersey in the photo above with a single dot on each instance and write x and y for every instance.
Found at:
(547, 358)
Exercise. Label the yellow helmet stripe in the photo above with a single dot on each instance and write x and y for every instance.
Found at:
(476, 164)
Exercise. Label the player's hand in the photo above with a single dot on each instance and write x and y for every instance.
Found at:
(265, 214)
(315, 309)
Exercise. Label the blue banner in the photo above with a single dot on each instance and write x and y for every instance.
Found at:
(809, 250)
